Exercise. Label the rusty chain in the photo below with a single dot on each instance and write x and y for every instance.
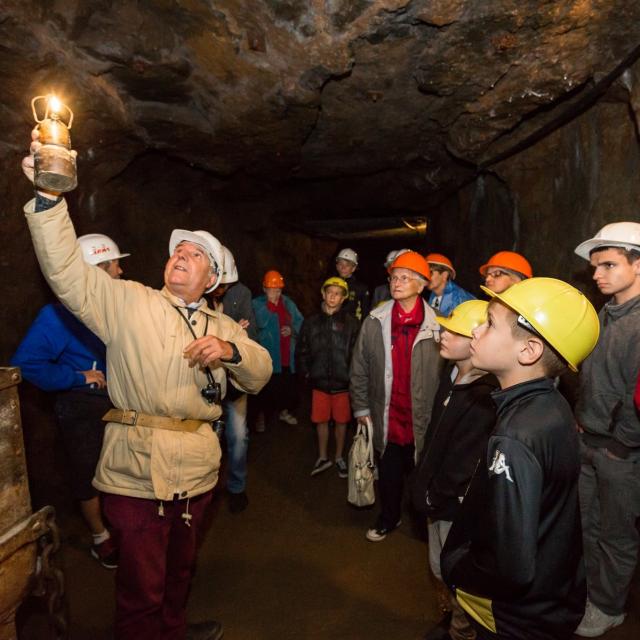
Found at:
(49, 579)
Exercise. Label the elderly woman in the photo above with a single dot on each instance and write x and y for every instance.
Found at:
(278, 321)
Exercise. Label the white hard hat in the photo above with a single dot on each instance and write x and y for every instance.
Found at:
(348, 254)
(617, 234)
(208, 242)
(392, 255)
(97, 248)
(229, 270)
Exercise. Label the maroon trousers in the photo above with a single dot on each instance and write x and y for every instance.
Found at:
(157, 561)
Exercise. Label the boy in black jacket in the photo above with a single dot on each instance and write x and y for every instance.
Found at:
(324, 355)
(513, 557)
(463, 417)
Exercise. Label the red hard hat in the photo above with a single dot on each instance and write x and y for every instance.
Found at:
(414, 261)
(509, 260)
(273, 280)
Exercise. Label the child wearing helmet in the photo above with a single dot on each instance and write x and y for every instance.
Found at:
(504, 269)
(278, 321)
(462, 419)
(513, 557)
(324, 356)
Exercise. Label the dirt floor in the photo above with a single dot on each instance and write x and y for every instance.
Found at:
(294, 565)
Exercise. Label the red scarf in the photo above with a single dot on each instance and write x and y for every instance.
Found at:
(284, 320)
(404, 329)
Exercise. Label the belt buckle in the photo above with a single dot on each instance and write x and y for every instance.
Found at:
(131, 417)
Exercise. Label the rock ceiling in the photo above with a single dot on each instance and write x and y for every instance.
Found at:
(418, 94)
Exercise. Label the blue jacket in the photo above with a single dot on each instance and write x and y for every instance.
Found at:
(56, 349)
(452, 296)
(269, 329)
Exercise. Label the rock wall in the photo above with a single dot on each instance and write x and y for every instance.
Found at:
(551, 196)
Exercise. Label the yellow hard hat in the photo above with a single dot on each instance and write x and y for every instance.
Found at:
(466, 317)
(334, 281)
(558, 312)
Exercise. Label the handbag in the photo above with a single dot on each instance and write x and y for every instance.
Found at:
(362, 467)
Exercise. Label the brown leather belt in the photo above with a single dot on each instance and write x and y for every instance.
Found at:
(133, 418)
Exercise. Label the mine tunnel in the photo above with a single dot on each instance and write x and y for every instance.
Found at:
(291, 130)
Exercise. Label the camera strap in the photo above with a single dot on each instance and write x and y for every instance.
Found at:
(195, 337)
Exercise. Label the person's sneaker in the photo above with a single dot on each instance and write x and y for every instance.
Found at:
(343, 472)
(106, 553)
(205, 631)
(322, 464)
(260, 425)
(379, 533)
(596, 622)
(237, 502)
(285, 416)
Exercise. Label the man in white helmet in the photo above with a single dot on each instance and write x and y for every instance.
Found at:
(233, 299)
(168, 355)
(610, 427)
(59, 354)
(358, 302)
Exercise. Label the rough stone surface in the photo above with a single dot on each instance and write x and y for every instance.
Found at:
(291, 90)
(251, 117)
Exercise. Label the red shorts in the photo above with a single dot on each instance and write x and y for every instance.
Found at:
(325, 406)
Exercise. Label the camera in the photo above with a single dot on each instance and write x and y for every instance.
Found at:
(212, 393)
(218, 427)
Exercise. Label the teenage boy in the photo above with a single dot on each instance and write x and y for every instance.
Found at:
(513, 557)
(609, 480)
(394, 377)
(504, 269)
(463, 417)
(358, 303)
(324, 355)
(445, 294)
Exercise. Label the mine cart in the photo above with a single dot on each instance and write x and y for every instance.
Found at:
(27, 540)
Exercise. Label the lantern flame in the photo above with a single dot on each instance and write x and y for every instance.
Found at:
(55, 104)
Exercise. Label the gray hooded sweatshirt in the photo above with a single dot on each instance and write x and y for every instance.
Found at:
(605, 407)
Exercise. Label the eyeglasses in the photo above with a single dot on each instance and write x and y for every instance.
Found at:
(403, 279)
(495, 274)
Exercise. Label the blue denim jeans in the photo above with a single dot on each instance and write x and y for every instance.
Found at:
(237, 436)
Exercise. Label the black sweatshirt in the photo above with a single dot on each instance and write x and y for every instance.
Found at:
(324, 350)
(463, 417)
(515, 547)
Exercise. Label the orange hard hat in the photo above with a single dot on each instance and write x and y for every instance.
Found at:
(441, 260)
(273, 280)
(414, 261)
(509, 260)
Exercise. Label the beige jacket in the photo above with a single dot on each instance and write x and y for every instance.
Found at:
(145, 338)
(372, 373)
